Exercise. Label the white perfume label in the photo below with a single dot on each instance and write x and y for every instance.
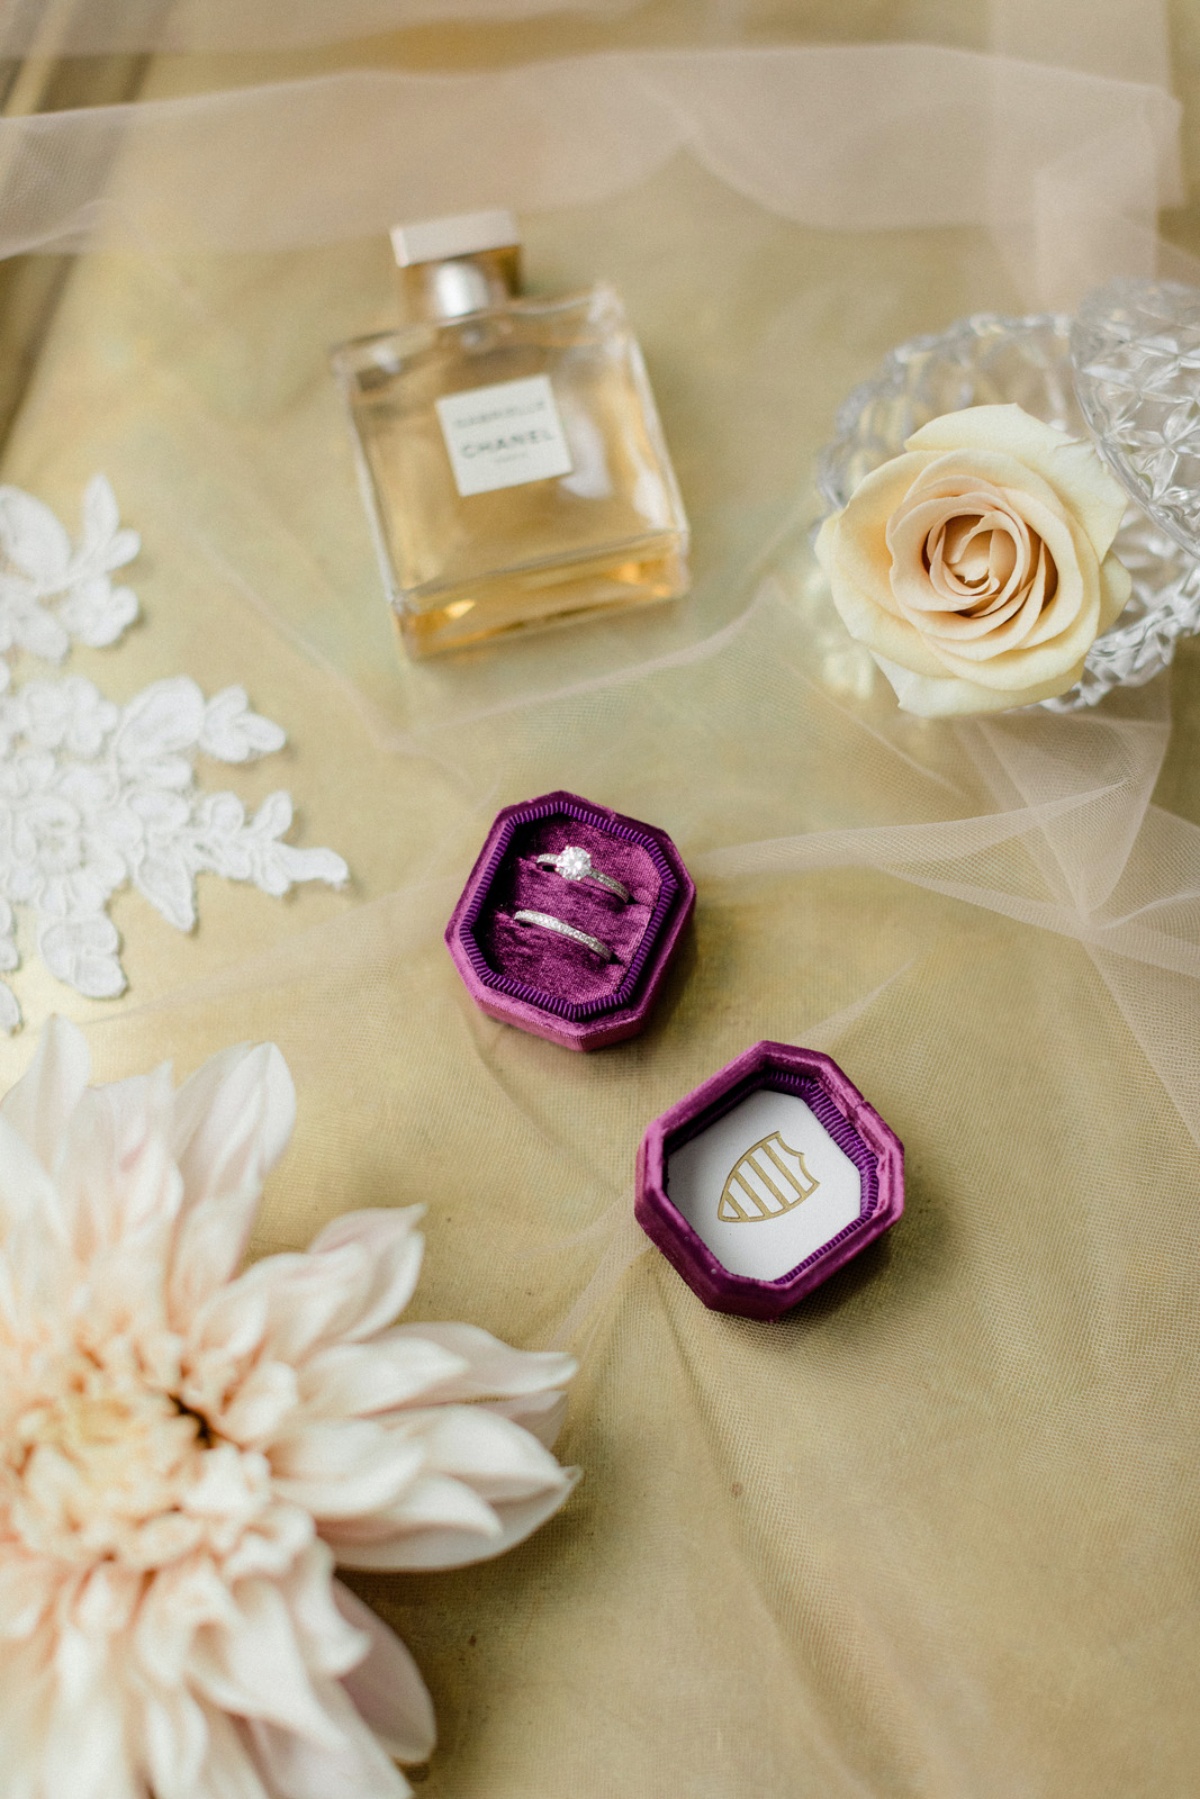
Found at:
(766, 1186)
(504, 435)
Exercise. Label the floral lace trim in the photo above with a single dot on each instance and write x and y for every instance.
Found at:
(95, 797)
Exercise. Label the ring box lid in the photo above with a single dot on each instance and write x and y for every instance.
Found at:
(541, 981)
(767, 1178)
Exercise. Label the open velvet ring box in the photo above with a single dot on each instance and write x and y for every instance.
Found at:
(767, 1178)
(570, 919)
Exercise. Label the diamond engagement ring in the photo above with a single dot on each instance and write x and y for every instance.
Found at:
(548, 922)
(575, 864)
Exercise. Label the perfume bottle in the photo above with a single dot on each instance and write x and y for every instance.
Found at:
(510, 452)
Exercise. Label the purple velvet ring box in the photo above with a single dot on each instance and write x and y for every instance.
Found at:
(612, 881)
(767, 1178)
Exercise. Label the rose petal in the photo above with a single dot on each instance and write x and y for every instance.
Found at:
(1116, 585)
(949, 697)
(871, 616)
(1073, 469)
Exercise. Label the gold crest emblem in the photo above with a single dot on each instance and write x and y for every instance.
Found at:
(769, 1180)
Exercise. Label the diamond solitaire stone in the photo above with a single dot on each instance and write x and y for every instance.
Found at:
(574, 864)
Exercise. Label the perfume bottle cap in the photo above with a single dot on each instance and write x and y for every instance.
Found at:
(462, 234)
(449, 268)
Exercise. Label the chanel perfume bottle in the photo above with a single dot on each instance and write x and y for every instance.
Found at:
(511, 456)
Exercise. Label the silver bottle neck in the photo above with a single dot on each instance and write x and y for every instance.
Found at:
(460, 285)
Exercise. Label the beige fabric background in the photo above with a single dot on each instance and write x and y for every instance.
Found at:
(936, 1534)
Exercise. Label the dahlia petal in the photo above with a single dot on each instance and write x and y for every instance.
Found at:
(28, 1196)
(344, 1470)
(355, 1765)
(353, 1379)
(271, 1545)
(495, 1370)
(255, 1669)
(179, 1601)
(175, 1739)
(28, 1585)
(26, 1708)
(40, 1104)
(233, 1321)
(541, 1414)
(106, 1599)
(86, 1755)
(232, 1484)
(429, 1548)
(267, 1396)
(286, 1304)
(229, 1770)
(118, 1178)
(392, 1251)
(84, 1749)
(233, 1119)
(433, 1502)
(305, 1298)
(331, 1644)
(386, 1688)
(499, 1459)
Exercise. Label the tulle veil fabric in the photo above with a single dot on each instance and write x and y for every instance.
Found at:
(933, 1534)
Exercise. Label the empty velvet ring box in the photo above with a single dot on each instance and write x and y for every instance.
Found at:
(767, 1178)
(584, 961)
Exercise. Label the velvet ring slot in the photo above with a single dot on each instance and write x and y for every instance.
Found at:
(766, 1178)
(546, 980)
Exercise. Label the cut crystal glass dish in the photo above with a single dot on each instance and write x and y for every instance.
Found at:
(1125, 372)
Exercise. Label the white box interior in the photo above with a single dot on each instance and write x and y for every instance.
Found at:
(765, 1186)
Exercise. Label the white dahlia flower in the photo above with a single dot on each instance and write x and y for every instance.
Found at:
(186, 1451)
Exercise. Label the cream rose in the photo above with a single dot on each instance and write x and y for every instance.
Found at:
(976, 567)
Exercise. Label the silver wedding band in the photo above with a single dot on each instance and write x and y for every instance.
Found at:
(575, 864)
(548, 922)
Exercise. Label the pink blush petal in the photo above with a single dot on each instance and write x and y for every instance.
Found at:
(541, 1414)
(230, 1771)
(386, 1688)
(495, 1370)
(344, 1470)
(357, 1379)
(40, 1104)
(255, 1668)
(232, 1122)
(439, 1547)
(355, 1765)
(392, 1251)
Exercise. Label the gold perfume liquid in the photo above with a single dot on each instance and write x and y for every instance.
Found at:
(514, 468)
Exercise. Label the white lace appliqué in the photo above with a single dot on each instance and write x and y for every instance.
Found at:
(95, 797)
